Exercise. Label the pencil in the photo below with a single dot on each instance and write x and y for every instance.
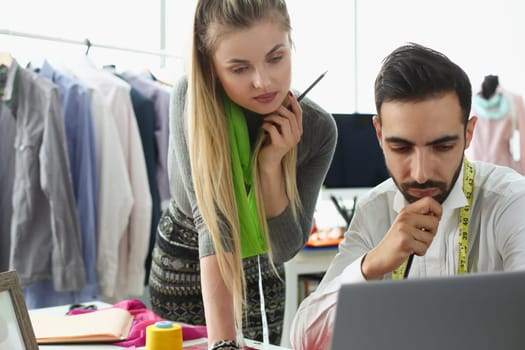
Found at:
(311, 86)
(409, 265)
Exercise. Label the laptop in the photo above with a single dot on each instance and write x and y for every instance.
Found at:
(476, 311)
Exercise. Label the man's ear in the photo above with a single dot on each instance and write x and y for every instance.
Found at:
(469, 131)
(377, 126)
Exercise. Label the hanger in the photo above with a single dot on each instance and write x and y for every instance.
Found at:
(156, 78)
(5, 59)
(88, 46)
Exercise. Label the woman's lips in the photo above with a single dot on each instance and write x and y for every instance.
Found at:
(266, 98)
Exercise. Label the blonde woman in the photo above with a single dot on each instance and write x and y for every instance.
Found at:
(247, 161)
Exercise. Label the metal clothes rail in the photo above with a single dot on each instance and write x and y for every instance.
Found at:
(87, 43)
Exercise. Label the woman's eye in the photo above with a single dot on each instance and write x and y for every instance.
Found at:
(276, 59)
(239, 70)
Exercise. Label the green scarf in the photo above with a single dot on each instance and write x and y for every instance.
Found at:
(252, 240)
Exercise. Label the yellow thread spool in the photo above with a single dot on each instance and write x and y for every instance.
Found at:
(164, 335)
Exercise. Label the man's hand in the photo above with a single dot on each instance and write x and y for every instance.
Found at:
(412, 232)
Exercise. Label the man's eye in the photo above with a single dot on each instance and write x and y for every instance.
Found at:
(443, 148)
(400, 149)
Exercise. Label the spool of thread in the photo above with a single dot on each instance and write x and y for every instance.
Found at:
(164, 335)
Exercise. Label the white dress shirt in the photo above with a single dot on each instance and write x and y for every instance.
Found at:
(496, 243)
(115, 195)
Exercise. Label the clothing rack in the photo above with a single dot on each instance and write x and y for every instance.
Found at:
(87, 43)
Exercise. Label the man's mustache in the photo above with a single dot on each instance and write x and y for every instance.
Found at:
(424, 185)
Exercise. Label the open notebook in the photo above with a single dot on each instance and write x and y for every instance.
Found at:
(106, 325)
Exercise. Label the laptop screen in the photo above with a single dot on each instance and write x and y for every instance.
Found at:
(476, 311)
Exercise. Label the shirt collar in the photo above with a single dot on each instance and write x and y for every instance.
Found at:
(10, 85)
(456, 198)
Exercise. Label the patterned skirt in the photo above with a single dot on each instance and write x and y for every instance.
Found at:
(175, 287)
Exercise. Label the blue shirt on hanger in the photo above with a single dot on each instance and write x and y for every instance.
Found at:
(80, 138)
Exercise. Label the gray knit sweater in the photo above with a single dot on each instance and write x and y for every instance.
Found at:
(315, 152)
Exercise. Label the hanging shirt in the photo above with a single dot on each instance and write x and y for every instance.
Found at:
(44, 237)
(76, 106)
(161, 100)
(145, 114)
(133, 246)
(115, 199)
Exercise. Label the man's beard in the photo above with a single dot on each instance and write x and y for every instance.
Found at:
(442, 186)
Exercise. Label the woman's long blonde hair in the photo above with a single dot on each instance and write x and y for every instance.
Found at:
(209, 141)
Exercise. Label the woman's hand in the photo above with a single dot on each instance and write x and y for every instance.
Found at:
(284, 128)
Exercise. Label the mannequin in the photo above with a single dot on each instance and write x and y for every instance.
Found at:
(501, 119)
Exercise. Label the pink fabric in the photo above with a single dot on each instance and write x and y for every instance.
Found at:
(143, 317)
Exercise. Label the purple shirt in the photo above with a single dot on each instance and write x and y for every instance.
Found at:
(161, 100)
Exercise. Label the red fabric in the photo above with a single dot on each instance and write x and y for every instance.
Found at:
(143, 317)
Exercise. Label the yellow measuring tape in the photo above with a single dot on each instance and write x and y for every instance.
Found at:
(464, 217)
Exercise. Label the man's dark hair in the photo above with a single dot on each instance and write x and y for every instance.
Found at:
(415, 73)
